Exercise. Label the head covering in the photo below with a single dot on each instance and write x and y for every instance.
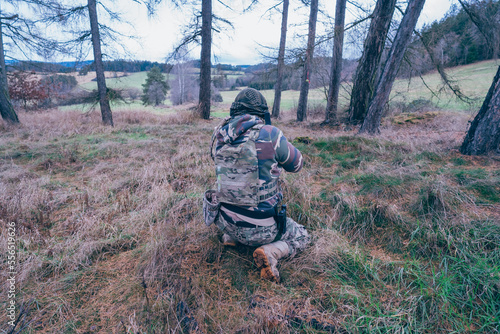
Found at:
(250, 101)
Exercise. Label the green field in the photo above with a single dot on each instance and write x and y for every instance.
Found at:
(473, 80)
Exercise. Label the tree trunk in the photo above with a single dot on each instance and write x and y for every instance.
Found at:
(338, 45)
(205, 61)
(366, 72)
(6, 109)
(403, 37)
(484, 132)
(107, 117)
(305, 79)
(281, 61)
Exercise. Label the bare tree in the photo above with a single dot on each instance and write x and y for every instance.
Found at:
(366, 73)
(403, 37)
(21, 28)
(107, 117)
(306, 72)
(205, 59)
(281, 60)
(24, 35)
(184, 86)
(338, 45)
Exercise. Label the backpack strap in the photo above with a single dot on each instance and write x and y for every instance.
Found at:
(214, 136)
(269, 189)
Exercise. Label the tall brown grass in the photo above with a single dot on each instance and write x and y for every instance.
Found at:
(110, 233)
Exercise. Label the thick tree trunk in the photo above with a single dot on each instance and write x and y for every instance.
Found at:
(6, 109)
(205, 61)
(107, 117)
(366, 72)
(306, 73)
(338, 45)
(403, 37)
(483, 136)
(281, 61)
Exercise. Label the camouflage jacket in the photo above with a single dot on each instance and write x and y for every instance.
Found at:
(274, 153)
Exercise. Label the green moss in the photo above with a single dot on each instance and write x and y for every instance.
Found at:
(486, 190)
(467, 176)
(429, 156)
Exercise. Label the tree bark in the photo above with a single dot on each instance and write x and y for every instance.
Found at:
(107, 117)
(483, 136)
(305, 79)
(205, 61)
(338, 45)
(281, 61)
(403, 37)
(366, 72)
(6, 109)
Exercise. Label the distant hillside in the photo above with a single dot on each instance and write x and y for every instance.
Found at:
(38, 66)
(456, 40)
(119, 65)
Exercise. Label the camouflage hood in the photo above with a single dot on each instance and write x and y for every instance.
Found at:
(250, 101)
(237, 126)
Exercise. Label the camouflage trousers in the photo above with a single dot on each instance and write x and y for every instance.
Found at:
(296, 236)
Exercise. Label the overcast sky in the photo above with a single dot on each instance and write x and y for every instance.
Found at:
(245, 43)
(158, 35)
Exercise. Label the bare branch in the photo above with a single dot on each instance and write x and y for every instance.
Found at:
(444, 77)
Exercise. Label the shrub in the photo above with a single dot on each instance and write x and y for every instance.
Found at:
(27, 89)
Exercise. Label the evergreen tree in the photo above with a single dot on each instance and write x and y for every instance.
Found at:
(155, 88)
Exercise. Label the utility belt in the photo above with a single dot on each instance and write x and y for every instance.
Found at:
(279, 216)
(211, 211)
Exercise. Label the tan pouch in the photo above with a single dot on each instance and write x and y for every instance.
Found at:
(211, 207)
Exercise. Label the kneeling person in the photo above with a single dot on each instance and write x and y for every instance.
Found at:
(250, 155)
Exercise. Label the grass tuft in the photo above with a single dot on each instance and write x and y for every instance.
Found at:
(110, 235)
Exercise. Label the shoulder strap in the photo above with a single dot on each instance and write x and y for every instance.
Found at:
(214, 135)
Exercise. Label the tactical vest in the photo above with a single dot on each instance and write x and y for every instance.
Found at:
(237, 170)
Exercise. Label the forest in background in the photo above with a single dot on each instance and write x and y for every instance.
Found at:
(454, 40)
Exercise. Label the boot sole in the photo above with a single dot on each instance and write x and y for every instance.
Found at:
(262, 263)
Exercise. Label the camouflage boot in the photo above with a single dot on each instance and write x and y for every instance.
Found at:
(228, 241)
(266, 257)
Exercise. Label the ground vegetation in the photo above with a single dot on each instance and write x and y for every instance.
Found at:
(406, 233)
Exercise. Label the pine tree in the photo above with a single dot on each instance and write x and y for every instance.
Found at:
(155, 82)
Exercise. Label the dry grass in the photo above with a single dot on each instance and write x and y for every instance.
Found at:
(111, 239)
